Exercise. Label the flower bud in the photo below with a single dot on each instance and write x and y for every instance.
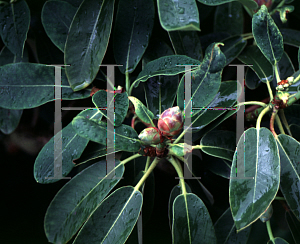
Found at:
(150, 136)
(267, 214)
(170, 121)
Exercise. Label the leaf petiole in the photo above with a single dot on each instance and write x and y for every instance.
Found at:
(179, 171)
(270, 231)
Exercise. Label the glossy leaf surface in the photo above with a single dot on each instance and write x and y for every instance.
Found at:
(248, 3)
(225, 98)
(233, 46)
(186, 43)
(188, 212)
(87, 41)
(133, 28)
(73, 204)
(249, 198)
(126, 138)
(9, 119)
(141, 111)
(56, 18)
(219, 144)
(113, 221)
(182, 15)
(121, 105)
(259, 64)
(72, 147)
(229, 18)
(165, 66)
(206, 80)
(29, 85)
(226, 230)
(289, 151)
(267, 35)
(14, 25)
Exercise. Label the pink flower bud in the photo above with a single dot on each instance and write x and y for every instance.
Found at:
(170, 121)
(150, 136)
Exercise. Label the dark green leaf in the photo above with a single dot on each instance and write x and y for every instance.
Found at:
(7, 57)
(248, 3)
(72, 147)
(14, 25)
(278, 240)
(225, 98)
(165, 66)
(113, 221)
(251, 79)
(133, 28)
(141, 111)
(174, 15)
(9, 119)
(29, 85)
(188, 212)
(126, 138)
(267, 35)
(226, 231)
(291, 37)
(87, 41)
(56, 18)
(233, 46)
(206, 80)
(294, 225)
(260, 65)
(186, 43)
(219, 166)
(73, 204)
(229, 18)
(121, 105)
(75, 3)
(289, 151)
(156, 49)
(249, 198)
(295, 129)
(176, 191)
(219, 144)
(292, 114)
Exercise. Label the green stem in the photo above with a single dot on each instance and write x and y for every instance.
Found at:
(251, 103)
(279, 198)
(131, 87)
(282, 116)
(127, 83)
(270, 90)
(265, 110)
(270, 231)
(278, 6)
(181, 135)
(147, 163)
(147, 173)
(131, 158)
(278, 122)
(277, 73)
(179, 171)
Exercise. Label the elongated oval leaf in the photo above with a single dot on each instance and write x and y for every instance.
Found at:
(259, 64)
(113, 221)
(87, 41)
(206, 79)
(226, 230)
(72, 147)
(186, 43)
(225, 98)
(291, 37)
(182, 15)
(176, 191)
(126, 138)
(278, 240)
(56, 19)
(141, 111)
(9, 119)
(289, 151)
(28, 85)
(250, 197)
(121, 105)
(229, 18)
(219, 144)
(133, 28)
(14, 25)
(233, 46)
(165, 66)
(248, 3)
(188, 212)
(267, 35)
(73, 204)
